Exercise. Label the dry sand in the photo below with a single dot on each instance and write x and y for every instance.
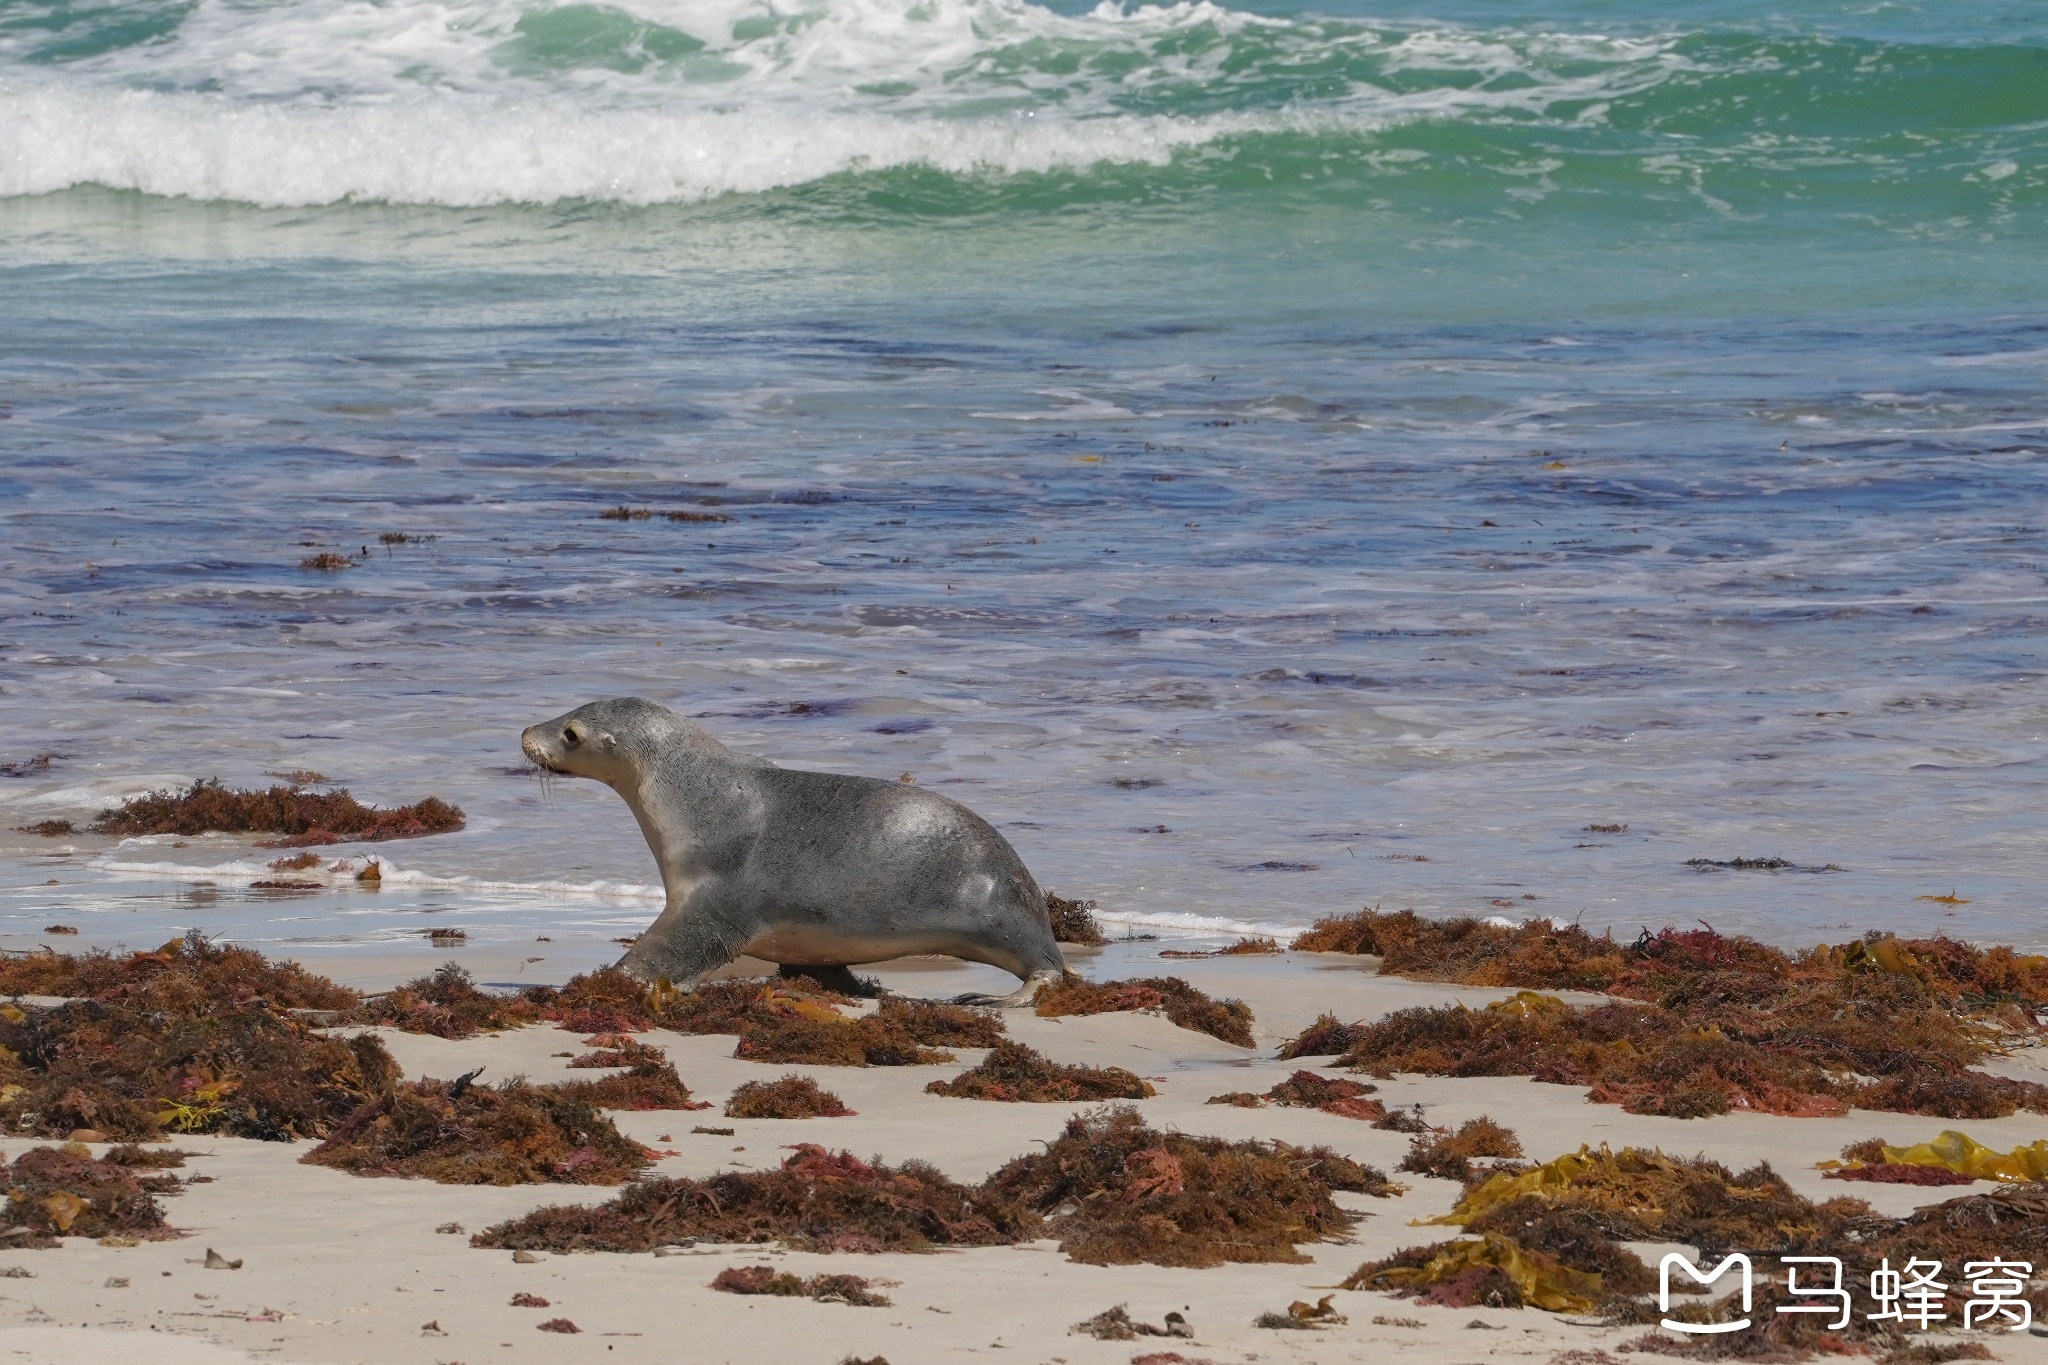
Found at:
(341, 1269)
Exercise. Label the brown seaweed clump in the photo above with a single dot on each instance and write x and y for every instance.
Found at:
(53, 1192)
(1450, 1155)
(1326, 1037)
(760, 1279)
(457, 1133)
(302, 817)
(648, 1082)
(1244, 947)
(193, 1038)
(816, 1201)
(1229, 1020)
(446, 1004)
(792, 1097)
(1547, 1236)
(1116, 1192)
(1074, 921)
(1900, 1173)
(1306, 1090)
(1013, 1072)
(1704, 1024)
(1347, 1099)
(191, 967)
(788, 1020)
(1492, 1272)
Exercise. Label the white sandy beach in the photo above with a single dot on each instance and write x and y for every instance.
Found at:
(343, 1269)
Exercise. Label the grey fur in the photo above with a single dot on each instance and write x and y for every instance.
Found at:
(799, 868)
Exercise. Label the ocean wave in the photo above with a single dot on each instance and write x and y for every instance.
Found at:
(491, 101)
(458, 152)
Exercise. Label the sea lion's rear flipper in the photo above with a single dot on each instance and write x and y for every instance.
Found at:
(1017, 999)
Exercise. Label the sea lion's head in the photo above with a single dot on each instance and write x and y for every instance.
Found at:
(604, 740)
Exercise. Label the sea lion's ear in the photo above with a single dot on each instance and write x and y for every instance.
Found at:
(611, 746)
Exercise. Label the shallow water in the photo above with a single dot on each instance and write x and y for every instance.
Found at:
(1110, 408)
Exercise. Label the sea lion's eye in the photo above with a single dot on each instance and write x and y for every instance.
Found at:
(572, 734)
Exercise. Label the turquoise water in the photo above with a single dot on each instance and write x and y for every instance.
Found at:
(1241, 451)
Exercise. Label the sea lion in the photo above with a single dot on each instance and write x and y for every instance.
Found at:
(812, 870)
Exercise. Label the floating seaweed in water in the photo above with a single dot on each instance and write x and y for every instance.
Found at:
(1244, 947)
(1074, 921)
(49, 829)
(792, 1097)
(53, 1192)
(1182, 1004)
(459, 1133)
(1116, 1192)
(1013, 1072)
(761, 1279)
(302, 817)
(1306, 1090)
(1450, 1155)
(816, 1201)
(1706, 1023)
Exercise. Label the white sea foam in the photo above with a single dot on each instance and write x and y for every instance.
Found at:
(341, 872)
(658, 101)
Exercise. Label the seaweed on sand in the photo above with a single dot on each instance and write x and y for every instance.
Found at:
(193, 1038)
(792, 1097)
(302, 817)
(1116, 1192)
(1330, 1094)
(1950, 1153)
(816, 1201)
(648, 1082)
(191, 968)
(1450, 1155)
(446, 1004)
(1492, 1272)
(1705, 1023)
(1542, 955)
(1306, 1090)
(457, 1133)
(1326, 1037)
(760, 1279)
(53, 1192)
(1013, 1072)
(897, 1033)
(1229, 1020)
(1548, 1236)
(1074, 921)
